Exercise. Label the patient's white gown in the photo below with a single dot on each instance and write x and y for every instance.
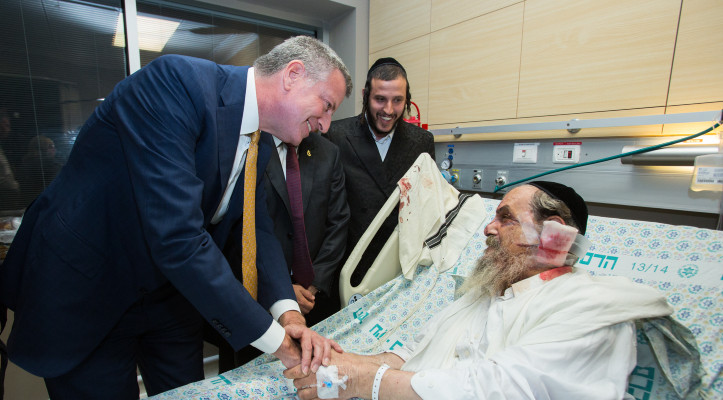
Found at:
(570, 337)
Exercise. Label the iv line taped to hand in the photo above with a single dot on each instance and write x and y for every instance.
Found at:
(328, 382)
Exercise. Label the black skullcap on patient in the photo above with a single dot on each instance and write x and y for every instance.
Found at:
(384, 61)
(567, 195)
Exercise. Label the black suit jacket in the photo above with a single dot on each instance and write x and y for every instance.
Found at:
(326, 213)
(369, 181)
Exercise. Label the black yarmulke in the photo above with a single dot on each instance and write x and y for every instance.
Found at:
(569, 196)
(384, 61)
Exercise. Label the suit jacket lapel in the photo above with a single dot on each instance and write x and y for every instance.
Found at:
(395, 160)
(235, 204)
(366, 150)
(307, 163)
(276, 176)
(228, 121)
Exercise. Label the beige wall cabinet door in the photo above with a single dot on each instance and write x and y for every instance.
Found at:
(583, 56)
(474, 68)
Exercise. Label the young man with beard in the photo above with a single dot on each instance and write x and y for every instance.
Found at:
(377, 147)
(523, 328)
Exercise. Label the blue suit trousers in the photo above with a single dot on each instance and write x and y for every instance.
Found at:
(161, 334)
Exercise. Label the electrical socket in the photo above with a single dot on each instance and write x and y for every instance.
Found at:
(566, 153)
(525, 153)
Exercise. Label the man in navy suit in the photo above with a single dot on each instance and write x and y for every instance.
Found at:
(118, 261)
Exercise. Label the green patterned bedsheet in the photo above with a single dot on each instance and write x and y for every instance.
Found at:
(683, 262)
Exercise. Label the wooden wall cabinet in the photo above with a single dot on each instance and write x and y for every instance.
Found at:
(477, 63)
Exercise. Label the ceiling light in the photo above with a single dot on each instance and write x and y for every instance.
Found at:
(153, 33)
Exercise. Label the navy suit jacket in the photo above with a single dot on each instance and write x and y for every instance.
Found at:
(131, 211)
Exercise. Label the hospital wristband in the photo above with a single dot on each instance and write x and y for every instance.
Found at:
(378, 381)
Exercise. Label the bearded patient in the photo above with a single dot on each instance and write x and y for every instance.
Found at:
(529, 325)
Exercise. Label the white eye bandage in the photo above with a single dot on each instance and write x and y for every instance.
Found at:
(328, 382)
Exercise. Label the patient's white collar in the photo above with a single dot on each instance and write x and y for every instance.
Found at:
(535, 281)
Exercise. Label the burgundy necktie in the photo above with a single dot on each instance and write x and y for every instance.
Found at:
(301, 262)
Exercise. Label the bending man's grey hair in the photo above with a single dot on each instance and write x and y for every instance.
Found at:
(545, 206)
(318, 58)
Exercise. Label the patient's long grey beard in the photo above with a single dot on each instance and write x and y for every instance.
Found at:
(496, 270)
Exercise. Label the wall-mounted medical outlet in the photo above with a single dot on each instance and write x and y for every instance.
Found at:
(502, 178)
(450, 152)
(525, 153)
(454, 177)
(477, 175)
(566, 153)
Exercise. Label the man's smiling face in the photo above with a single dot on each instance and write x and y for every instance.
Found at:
(387, 100)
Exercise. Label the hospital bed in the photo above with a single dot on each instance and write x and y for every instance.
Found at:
(396, 298)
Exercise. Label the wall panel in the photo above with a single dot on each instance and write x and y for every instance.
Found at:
(474, 68)
(589, 55)
(394, 22)
(504, 62)
(449, 12)
(697, 68)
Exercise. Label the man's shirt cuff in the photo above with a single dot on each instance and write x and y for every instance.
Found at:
(283, 306)
(271, 340)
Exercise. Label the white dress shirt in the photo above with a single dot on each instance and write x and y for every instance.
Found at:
(282, 149)
(270, 341)
(383, 143)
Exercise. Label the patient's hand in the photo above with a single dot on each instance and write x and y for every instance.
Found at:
(360, 372)
(305, 298)
(356, 367)
(315, 349)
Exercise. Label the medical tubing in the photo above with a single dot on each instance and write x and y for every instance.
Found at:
(638, 151)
